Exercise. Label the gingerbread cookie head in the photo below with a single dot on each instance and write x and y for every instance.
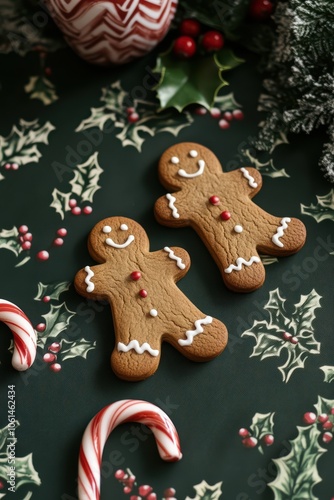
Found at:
(114, 237)
(187, 163)
(219, 207)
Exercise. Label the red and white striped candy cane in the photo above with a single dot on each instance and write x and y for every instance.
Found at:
(99, 428)
(25, 340)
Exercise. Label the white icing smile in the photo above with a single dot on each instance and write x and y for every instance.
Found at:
(112, 243)
(201, 165)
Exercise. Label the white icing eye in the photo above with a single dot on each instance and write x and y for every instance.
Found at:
(106, 229)
(124, 227)
(238, 228)
(154, 313)
(175, 160)
(193, 153)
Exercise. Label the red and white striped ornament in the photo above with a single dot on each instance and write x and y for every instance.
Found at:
(100, 427)
(112, 31)
(25, 340)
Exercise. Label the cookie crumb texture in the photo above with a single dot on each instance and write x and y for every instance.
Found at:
(219, 207)
(142, 321)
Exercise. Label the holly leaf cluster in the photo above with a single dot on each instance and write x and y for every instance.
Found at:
(328, 373)
(52, 290)
(40, 87)
(269, 334)
(77, 348)
(197, 80)
(265, 167)
(57, 320)
(131, 131)
(323, 210)
(297, 472)
(9, 240)
(262, 425)
(205, 491)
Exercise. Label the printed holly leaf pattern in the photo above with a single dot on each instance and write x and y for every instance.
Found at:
(86, 177)
(269, 338)
(262, 425)
(265, 168)
(41, 88)
(226, 102)
(206, 492)
(323, 210)
(328, 372)
(268, 259)
(60, 202)
(132, 132)
(4, 432)
(78, 348)
(297, 472)
(21, 145)
(56, 320)
(9, 240)
(52, 290)
(25, 471)
(325, 406)
(196, 81)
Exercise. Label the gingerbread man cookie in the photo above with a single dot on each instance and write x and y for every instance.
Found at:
(218, 206)
(147, 306)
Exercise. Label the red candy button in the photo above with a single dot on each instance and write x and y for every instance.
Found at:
(214, 200)
(226, 215)
(136, 275)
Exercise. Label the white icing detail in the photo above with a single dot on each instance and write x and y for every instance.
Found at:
(238, 228)
(175, 160)
(171, 205)
(106, 229)
(280, 232)
(154, 313)
(240, 262)
(172, 256)
(201, 165)
(89, 283)
(111, 242)
(193, 153)
(251, 180)
(140, 349)
(124, 227)
(190, 334)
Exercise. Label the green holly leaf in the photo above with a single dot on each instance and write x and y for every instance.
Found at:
(325, 406)
(21, 145)
(262, 425)
(9, 239)
(192, 81)
(41, 88)
(25, 471)
(206, 492)
(269, 338)
(60, 202)
(268, 259)
(52, 290)
(78, 348)
(56, 320)
(86, 177)
(329, 373)
(297, 472)
(265, 168)
(226, 102)
(323, 210)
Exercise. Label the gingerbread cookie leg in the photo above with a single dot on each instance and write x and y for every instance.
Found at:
(245, 273)
(133, 361)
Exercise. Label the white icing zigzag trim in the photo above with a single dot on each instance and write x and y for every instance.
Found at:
(240, 262)
(89, 283)
(190, 334)
(280, 232)
(251, 180)
(140, 349)
(171, 205)
(172, 256)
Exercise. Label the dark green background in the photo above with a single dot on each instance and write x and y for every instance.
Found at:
(212, 400)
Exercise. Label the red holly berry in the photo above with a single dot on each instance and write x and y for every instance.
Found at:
(322, 418)
(62, 232)
(26, 245)
(228, 116)
(133, 118)
(243, 432)
(153, 496)
(201, 110)
(215, 112)
(87, 210)
(130, 110)
(328, 425)
(169, 493)
(184, 46)
(7, 166)
(27, 237)
(135, 497)
(54, 347)
(249, 442)
(15, 166)
(72, 203)
(294, 340)
(41, 327)
(190, 27)
(309, 417)
(261, 9)
(223, 124)
(144, 490)
(2, 485)
(49, 357)
(212, 41)
(23, 229)
(119, 474)
(268, 439)
(127, 489)
(327, 437)
(287, 336)
(43, 255)
(48, 71)
(46, 299)
(76, 211)
(238, 114)
(56, 367)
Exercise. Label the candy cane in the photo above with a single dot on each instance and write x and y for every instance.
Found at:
(25, 341)
(99, 428)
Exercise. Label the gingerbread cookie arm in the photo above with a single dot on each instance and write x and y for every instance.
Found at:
(281, 235)
(88, 282)
(245, 180)
(167, 210)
